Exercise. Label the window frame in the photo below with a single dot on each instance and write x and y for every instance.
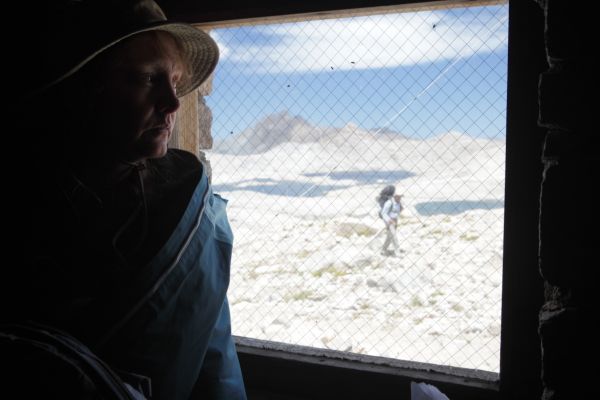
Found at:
(298, 372)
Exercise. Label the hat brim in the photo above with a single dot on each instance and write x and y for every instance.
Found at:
(199, 49)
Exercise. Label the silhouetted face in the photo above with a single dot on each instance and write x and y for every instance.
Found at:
(134, 111)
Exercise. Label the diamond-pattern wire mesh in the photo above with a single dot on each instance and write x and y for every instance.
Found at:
(311, 119)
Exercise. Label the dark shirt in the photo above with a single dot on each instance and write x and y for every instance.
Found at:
(71, 256)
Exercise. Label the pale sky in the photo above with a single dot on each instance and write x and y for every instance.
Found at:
(416, 73)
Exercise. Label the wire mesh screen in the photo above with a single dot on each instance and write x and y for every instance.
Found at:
(311, 120)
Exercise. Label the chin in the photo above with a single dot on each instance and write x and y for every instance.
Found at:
(158, 153)
(155, 149)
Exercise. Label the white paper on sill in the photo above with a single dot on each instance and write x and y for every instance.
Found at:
(424, 391)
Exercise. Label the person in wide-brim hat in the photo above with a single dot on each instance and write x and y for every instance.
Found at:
(125, 247)
(81, 30)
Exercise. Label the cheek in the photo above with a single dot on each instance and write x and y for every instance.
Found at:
(123, 118)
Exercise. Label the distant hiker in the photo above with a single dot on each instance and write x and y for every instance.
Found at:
(389, 213)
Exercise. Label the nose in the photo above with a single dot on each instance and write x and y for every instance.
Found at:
(168, 100)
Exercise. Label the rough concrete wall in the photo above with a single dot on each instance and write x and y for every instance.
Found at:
(568, 209)
(205, 140)
(204, 117)
(186, 130)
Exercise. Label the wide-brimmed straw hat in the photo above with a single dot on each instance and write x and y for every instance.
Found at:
(80, 30)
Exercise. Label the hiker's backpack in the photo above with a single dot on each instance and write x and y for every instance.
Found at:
(42, 362)
(385, 194)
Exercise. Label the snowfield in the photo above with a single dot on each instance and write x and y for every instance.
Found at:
(307, 266)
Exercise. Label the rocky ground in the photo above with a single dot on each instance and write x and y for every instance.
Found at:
(307, 265)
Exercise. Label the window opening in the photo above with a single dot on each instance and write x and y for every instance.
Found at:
(311, 119)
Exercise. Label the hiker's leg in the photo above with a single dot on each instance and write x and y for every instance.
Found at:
(394, 237)
(388, 238)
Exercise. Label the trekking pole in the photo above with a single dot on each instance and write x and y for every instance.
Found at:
(419, 219)
(375, 236)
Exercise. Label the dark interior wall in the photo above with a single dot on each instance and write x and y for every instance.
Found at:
(210, 11)
(522, 288)
(568, 214)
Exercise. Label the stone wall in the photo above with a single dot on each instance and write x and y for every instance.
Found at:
(568, 209)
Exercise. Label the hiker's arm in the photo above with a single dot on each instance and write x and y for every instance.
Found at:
(387, 206)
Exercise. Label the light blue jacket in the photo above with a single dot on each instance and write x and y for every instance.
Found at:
(178, 331)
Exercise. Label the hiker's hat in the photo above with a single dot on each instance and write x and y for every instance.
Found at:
(80, 30)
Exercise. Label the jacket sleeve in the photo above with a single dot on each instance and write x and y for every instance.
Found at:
(221, 376)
